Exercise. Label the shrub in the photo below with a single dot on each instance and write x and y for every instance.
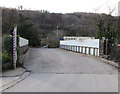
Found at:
(53, 44)
(118, 54)
(6, 57)
(7, 44)
(115, 55)
(7, 51)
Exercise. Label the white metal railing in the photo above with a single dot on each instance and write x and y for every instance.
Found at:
(82, 49)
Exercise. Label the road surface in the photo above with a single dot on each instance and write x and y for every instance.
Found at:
(57, 70)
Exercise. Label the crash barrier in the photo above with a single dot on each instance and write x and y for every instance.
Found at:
(81, 49)
(90, 47)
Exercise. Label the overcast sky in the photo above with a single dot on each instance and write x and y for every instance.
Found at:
(64, 6)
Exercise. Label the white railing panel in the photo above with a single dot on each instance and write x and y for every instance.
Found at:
(23, 42)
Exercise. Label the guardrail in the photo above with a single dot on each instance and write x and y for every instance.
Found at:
(81, 49)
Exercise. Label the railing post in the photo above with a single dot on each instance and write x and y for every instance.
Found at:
(76, 48)
(85, 50)
(97, 52)
(80, 49)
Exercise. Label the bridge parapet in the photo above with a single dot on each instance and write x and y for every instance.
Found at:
(81, 49)
(87, 46)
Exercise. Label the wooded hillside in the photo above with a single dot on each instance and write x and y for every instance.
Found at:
(44, 28)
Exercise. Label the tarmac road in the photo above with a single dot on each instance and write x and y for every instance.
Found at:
(57, 70)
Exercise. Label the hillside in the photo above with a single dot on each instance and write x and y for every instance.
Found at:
(42, 27)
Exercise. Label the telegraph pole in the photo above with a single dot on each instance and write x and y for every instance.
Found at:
(57, 32)
(119, 8)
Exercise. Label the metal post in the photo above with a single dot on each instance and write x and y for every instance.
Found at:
(106, 50)
(57, 32)
(14, 47)
(97, 52)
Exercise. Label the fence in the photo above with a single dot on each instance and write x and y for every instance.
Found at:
(81, 49)
(90, 47)
(23, 47)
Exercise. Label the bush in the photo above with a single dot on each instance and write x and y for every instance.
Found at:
(7, 52)
(115, 55)
(6, 57)
(7, 44)
(53, 44)
(118, 54)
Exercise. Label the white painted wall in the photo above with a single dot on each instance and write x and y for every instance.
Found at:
(87, 43)
(94, 43)
(23, 42)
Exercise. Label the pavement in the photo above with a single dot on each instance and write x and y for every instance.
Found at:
(67, 83)
(11, 77)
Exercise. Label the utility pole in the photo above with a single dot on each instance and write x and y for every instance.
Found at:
(106, 52)
(119, 8)
(57, 32)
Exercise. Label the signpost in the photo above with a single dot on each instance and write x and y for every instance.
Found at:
(14, 47)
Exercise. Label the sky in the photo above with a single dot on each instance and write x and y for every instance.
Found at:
(65, 6)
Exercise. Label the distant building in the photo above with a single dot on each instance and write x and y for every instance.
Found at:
(77, 38)
(119, 8)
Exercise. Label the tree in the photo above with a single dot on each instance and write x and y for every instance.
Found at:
(9, 20)
(27, 30)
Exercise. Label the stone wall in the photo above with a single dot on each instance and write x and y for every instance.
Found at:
(21, 53)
